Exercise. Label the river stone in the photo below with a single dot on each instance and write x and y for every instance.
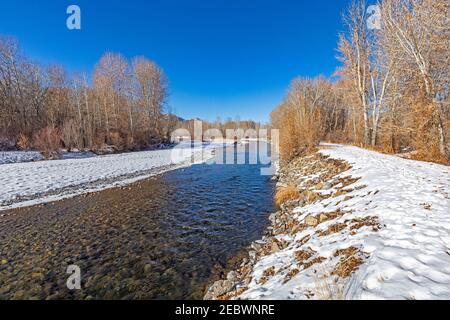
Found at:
(147, 269)
(219, 288)
(302, 203)
(232, 276)
(311, 221)
(257, 245)
(327, 186)
(274, 247)
(322, 218)
(252, 256)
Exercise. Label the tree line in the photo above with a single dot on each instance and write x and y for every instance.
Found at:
(391, 91)
(121, 104)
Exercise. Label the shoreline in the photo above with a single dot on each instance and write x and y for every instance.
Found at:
(236, 282)
(351, 224)
(119, 177)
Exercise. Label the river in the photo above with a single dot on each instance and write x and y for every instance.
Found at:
(166, 237)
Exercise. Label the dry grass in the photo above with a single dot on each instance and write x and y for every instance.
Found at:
(335, 228)
(268, 273)
(328, 289)
(231, 295)
(304, 240)
(430, 155)
(358, 223)
(303, 255)
(349, 263)
(304, 260)
(285, 194)
(314, 261)
(290, 275)
(330, 215)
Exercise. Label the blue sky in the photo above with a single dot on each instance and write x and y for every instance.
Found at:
(223, 58)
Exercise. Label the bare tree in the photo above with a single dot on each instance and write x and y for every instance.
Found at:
(151, 91)
(418, 34)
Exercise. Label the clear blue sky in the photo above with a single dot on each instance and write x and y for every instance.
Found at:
(223, 57)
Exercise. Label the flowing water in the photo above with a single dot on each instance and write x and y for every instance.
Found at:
(162, 238)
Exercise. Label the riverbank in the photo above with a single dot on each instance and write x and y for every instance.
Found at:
(352, 224)
(31, 183)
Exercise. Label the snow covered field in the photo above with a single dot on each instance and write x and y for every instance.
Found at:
(23, 184)
(408, 257)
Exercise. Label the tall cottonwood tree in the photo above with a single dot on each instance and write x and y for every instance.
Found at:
(418, 37)
(391, 91)
(70, 112)
(368, 68)
(151, 91)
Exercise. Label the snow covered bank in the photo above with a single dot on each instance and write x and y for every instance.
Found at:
(7, 157)
(369, 226)
(19, 156)
(23, 184)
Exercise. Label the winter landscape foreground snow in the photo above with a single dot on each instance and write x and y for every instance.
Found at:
(369, 226)
(29, 183)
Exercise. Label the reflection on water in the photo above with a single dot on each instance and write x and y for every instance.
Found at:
(159, 239)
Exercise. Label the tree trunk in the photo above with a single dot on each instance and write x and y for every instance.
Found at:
(367, 135)
(374, 136)
(442, 139)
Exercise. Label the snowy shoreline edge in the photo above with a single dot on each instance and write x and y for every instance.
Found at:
(82, 176)
(363, 226)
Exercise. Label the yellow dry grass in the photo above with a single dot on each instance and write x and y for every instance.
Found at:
(350, 261)
(285, 194)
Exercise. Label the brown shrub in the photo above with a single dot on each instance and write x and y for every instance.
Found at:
(303, 258)
(431, 154)
(23, 142)
(117, 140)
(71, 135)
(48, 142)
(299, 119)
(285, 194)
